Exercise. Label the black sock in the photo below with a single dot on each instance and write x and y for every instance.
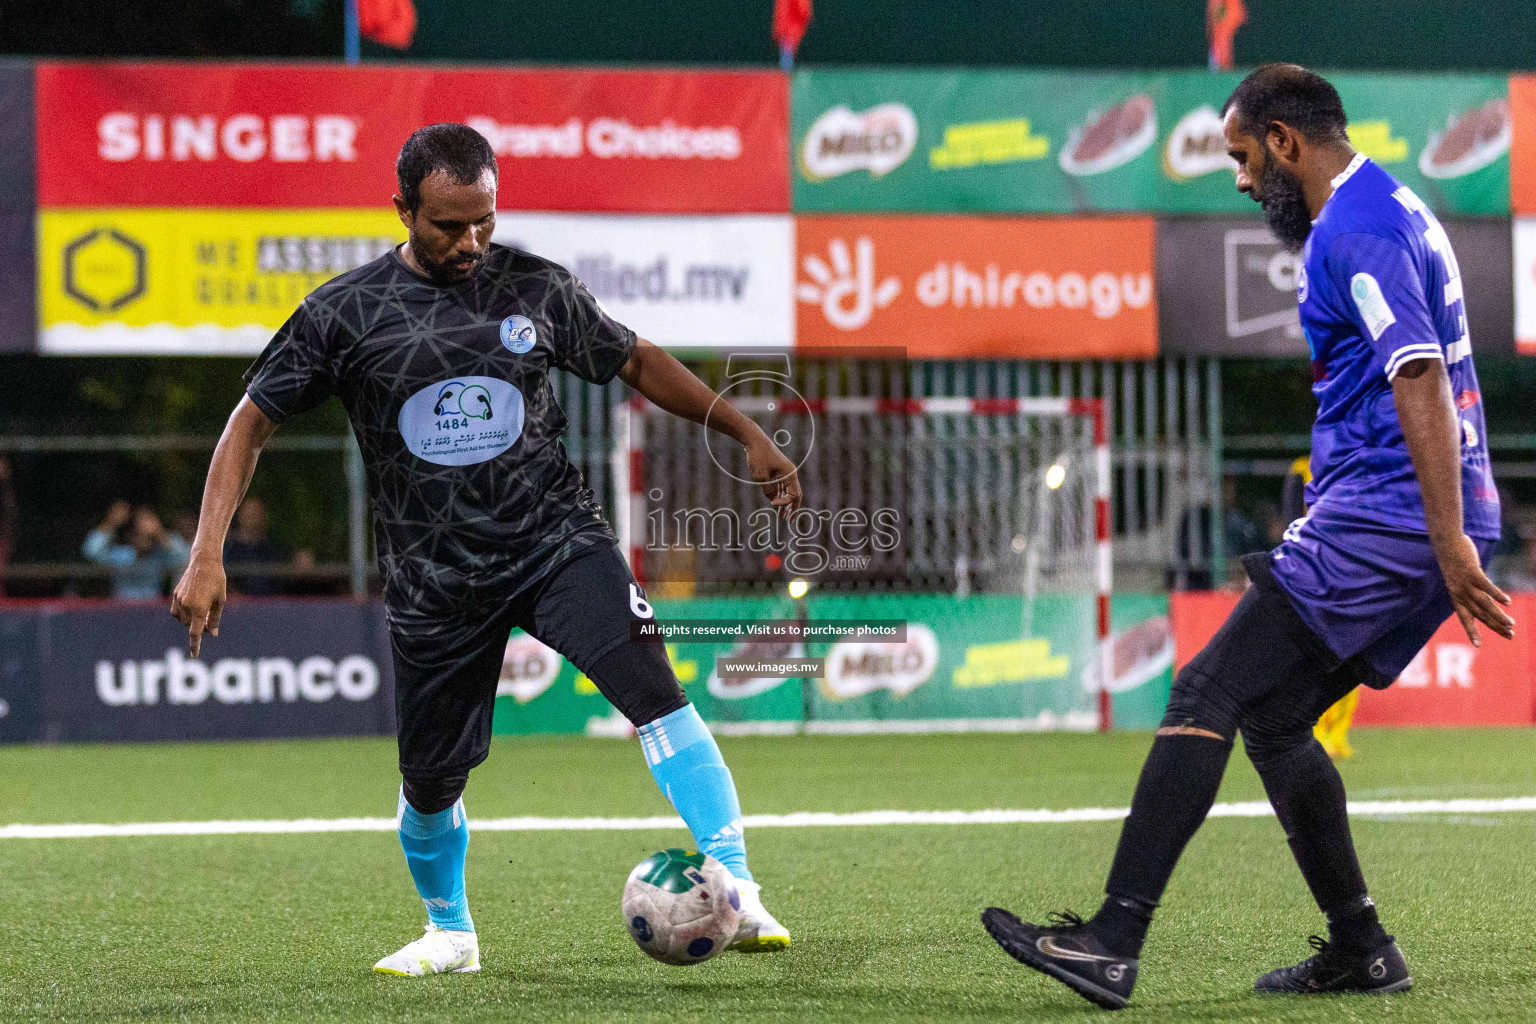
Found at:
(1177, 787)
(1122, 923)
(1308, 797)
(1356, 927)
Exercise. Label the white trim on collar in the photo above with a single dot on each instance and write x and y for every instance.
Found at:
(1348, 172)
(1340, 178)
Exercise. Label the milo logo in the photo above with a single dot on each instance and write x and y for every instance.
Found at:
(1196, 146)
(877, 140)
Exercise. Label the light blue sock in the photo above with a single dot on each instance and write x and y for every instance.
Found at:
(688, 767)
(435, 846)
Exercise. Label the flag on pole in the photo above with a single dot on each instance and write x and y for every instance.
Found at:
(390, 22)
(790, 17)
(1222, 20)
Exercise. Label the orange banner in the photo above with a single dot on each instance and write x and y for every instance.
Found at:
(962, 287)
(1449, 683)
(1522, 150)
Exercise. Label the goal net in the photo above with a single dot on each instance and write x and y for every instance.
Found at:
(973, 499)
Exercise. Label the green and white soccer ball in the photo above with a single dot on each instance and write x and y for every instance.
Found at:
(681, 906)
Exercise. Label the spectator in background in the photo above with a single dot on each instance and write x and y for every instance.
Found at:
(7, 518)
(248, 544)
(1240, 533)
(184, 525)
(1518, 571)
(135, 545)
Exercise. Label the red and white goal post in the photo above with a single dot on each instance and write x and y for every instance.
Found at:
(1005, 492)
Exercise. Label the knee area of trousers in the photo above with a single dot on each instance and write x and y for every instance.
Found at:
(1191, 705)
(637, 678)
(1273, 751)
(433, 796)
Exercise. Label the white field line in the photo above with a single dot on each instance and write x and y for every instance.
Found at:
(798, 819)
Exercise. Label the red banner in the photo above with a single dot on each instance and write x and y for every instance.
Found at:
(1522, 151)
(304, 136)
(1449, 683)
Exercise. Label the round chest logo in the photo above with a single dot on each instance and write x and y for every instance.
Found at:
(462, 421)
(517, 334)
(1301, 284)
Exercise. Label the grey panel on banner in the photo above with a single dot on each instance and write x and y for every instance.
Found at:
(18, 208)
(278, 668)
(1227, 288)
(21, 685)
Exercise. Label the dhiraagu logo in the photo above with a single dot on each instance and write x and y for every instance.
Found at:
(518, 334)
(461, 421)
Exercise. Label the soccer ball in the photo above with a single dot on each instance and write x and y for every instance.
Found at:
(681, 906)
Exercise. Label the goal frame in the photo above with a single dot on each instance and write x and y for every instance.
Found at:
(629, 478)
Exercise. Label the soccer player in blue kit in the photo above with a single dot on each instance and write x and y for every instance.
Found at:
(1402, 515)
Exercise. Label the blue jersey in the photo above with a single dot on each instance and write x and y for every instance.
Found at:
(1380, 288)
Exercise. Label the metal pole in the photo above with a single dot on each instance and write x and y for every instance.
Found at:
(1214, 450)
(357, 518)
(350, 43)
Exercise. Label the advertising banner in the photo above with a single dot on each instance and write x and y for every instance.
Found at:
(964, 663)
(939, 141)
(1524, 231)
(1522, 154)
(1066, 142)
(18, 202)
(266, 135)
(1447, 137)
(961, 287)
(191, 281)
(1450, 682)
(677, 281)
(21, 705)
(277, 668)
(1227, 288)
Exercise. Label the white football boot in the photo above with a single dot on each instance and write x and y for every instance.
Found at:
(759, 931)
(436, 952)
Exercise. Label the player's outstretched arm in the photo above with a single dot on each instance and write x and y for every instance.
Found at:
(198, 600)
(663, 380)
(1421, 391)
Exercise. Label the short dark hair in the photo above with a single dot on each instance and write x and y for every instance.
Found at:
(455, 149)
(1293, 95)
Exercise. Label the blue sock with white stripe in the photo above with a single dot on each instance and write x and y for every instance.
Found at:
(687, 765)
(435, 846)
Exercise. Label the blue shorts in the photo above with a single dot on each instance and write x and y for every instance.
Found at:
(1365, 589)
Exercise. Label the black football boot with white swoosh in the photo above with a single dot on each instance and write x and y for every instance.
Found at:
(1338, 969)
(1068, 951)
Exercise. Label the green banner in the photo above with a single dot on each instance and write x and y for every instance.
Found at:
(943, 141)
(1062, 142)
(966, 662)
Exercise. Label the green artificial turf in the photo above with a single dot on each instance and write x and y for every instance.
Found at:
(263, 928)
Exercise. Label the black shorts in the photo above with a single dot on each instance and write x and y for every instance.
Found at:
(445, 683)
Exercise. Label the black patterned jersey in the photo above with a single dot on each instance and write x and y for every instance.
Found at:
(448, 391)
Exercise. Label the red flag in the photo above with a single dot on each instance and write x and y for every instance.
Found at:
(1222, 20)
(789, 20)
(391, 22)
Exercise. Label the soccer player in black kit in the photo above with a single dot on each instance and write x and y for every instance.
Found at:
(441, 352)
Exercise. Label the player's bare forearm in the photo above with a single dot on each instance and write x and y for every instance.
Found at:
(669, 384)
(229, 474)
(1421, 393)
(198, 600)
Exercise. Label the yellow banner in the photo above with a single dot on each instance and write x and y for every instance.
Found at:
(195, 281)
